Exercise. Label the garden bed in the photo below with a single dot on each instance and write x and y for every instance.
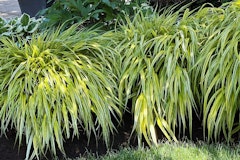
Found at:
(173, 76)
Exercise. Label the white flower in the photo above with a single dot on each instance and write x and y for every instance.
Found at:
(127, 2)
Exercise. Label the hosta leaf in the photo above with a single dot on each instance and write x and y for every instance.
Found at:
(24, 20)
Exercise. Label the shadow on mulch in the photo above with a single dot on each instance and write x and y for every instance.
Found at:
(7, 149)
(80, 147)
(73, 148)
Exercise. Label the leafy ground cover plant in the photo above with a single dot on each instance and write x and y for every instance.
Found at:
(22, 26)
(90, 11)
(54, 85)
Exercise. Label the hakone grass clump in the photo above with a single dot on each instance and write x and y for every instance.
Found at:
(218, 71)
(177, 63)
(157, 57)
(55, 85)
(164, 68)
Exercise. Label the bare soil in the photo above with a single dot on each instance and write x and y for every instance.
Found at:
(80, 147)
(73, 148)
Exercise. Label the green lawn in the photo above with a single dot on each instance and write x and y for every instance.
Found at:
(181, 151)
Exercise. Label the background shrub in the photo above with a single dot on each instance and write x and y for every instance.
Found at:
(90, 11)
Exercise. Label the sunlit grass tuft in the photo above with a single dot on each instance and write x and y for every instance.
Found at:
(158, 53)
(55, 85)
(217, 70)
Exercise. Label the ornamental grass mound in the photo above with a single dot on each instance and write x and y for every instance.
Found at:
(157, 58)
(55, 85)
(177, 63)
(217, 69)
(168, 66)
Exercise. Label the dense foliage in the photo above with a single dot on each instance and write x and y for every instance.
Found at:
(178, 62)
(91, 12)
(217, 70)
(55, 85)
(23, 26)
(156, 62)
(169, 2)
(104, 12)
(162, 67)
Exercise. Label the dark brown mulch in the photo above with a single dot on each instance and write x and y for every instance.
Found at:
(73, 148)
(79, 147)
(7, 149)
